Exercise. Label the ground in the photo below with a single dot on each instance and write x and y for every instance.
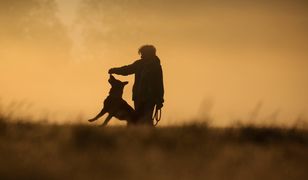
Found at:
(81, 151)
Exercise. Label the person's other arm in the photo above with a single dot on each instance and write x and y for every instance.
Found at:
(159, 85)
(125, 70)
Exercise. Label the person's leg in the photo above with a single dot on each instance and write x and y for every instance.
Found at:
(148, 113)
(144, 111)
(139, 111)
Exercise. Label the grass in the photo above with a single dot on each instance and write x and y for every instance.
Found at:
(48, 151)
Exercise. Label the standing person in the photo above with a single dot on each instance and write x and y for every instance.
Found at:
(148, 89)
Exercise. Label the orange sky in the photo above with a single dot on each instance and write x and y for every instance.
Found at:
(245, 60)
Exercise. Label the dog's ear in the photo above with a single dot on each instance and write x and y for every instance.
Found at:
(125, 82)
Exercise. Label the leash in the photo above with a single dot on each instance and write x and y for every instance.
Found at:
(157, 116)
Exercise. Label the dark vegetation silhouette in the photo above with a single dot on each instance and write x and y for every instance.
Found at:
(115, 105)
(195, 151)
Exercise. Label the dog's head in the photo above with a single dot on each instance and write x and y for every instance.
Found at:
(116, 83)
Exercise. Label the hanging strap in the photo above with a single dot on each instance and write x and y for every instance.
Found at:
(157, 116)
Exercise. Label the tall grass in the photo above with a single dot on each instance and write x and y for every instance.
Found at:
(49, 151)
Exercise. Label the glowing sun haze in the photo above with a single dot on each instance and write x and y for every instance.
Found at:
(221, 60)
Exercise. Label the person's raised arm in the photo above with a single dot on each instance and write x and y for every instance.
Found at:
(124, 70)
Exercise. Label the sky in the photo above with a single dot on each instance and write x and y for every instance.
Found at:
(224, 62)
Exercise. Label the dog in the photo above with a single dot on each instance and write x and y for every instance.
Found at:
(115, 105)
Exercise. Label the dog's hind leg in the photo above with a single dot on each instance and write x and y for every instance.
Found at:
(100, 114)
(107, 120)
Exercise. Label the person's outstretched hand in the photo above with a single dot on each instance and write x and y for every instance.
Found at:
(111, 71)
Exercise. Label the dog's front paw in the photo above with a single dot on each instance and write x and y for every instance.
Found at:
(91, 120)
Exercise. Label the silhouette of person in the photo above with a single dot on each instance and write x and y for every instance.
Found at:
(148, 89)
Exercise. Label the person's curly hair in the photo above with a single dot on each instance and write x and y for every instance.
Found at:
(149, 50)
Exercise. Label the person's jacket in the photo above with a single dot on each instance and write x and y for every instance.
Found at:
(148, 84)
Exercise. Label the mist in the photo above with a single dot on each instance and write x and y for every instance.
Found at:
(240, 61)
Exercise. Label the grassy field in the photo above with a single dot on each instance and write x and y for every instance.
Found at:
(46, 151)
